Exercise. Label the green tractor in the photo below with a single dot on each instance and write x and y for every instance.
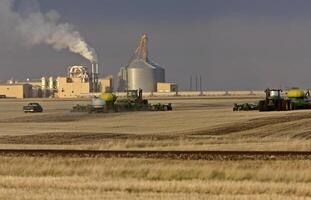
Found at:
(134, 102)
(274, 101)
(295, 99)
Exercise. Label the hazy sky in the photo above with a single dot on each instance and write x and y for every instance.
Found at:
(233, 44)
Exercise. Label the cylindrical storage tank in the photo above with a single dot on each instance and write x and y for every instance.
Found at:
(51, 83)
(141, 75)
(295, 93)
(44, 87)
(43, 83)
(160, 74)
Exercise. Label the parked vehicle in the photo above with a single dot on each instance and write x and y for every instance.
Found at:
(33, 108)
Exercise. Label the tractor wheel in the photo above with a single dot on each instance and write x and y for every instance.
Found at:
(169, 107)
(288, 105)
(279, 105)
(261, 106)
(285, 105)
(235, 107)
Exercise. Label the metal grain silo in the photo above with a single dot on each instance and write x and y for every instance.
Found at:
(159, 73)
(141, 74)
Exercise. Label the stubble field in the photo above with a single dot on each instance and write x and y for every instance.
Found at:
(195, 124)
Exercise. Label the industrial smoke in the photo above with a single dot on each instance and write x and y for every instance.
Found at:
(36, 28)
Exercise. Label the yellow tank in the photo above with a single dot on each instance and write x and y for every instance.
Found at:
(108, 97)
(295, 93)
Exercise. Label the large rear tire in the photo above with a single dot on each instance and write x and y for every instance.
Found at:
(262, 106)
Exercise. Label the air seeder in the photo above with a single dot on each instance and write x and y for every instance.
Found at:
(133, 101)
(293, 99)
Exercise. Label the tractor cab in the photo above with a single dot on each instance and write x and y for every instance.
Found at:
(273, 93)
(135, 95)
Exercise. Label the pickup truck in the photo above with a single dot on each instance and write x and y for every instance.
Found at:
(33, 108)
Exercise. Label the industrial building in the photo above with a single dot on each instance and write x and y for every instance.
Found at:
(105, 84)
(16, 90)
(81, 81)
(167, 87)
(141, 72)
(77, 83)
(68, 87)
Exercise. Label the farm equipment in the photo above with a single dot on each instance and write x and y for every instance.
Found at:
(295, 98)
(245, 107)
(274, 101)
(133, 101)
(102, 103)
(299, 99)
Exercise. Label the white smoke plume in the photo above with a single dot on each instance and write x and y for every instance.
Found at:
(44, 28)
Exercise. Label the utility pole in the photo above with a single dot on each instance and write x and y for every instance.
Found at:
(201, 89)
(190, 88)
(196, 83)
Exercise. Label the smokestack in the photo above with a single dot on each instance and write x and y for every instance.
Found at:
(94, 77)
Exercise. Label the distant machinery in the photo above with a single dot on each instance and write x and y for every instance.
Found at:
(140, 72)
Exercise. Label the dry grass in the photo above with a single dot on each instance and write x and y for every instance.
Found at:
(205, 124)
(77, 178)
